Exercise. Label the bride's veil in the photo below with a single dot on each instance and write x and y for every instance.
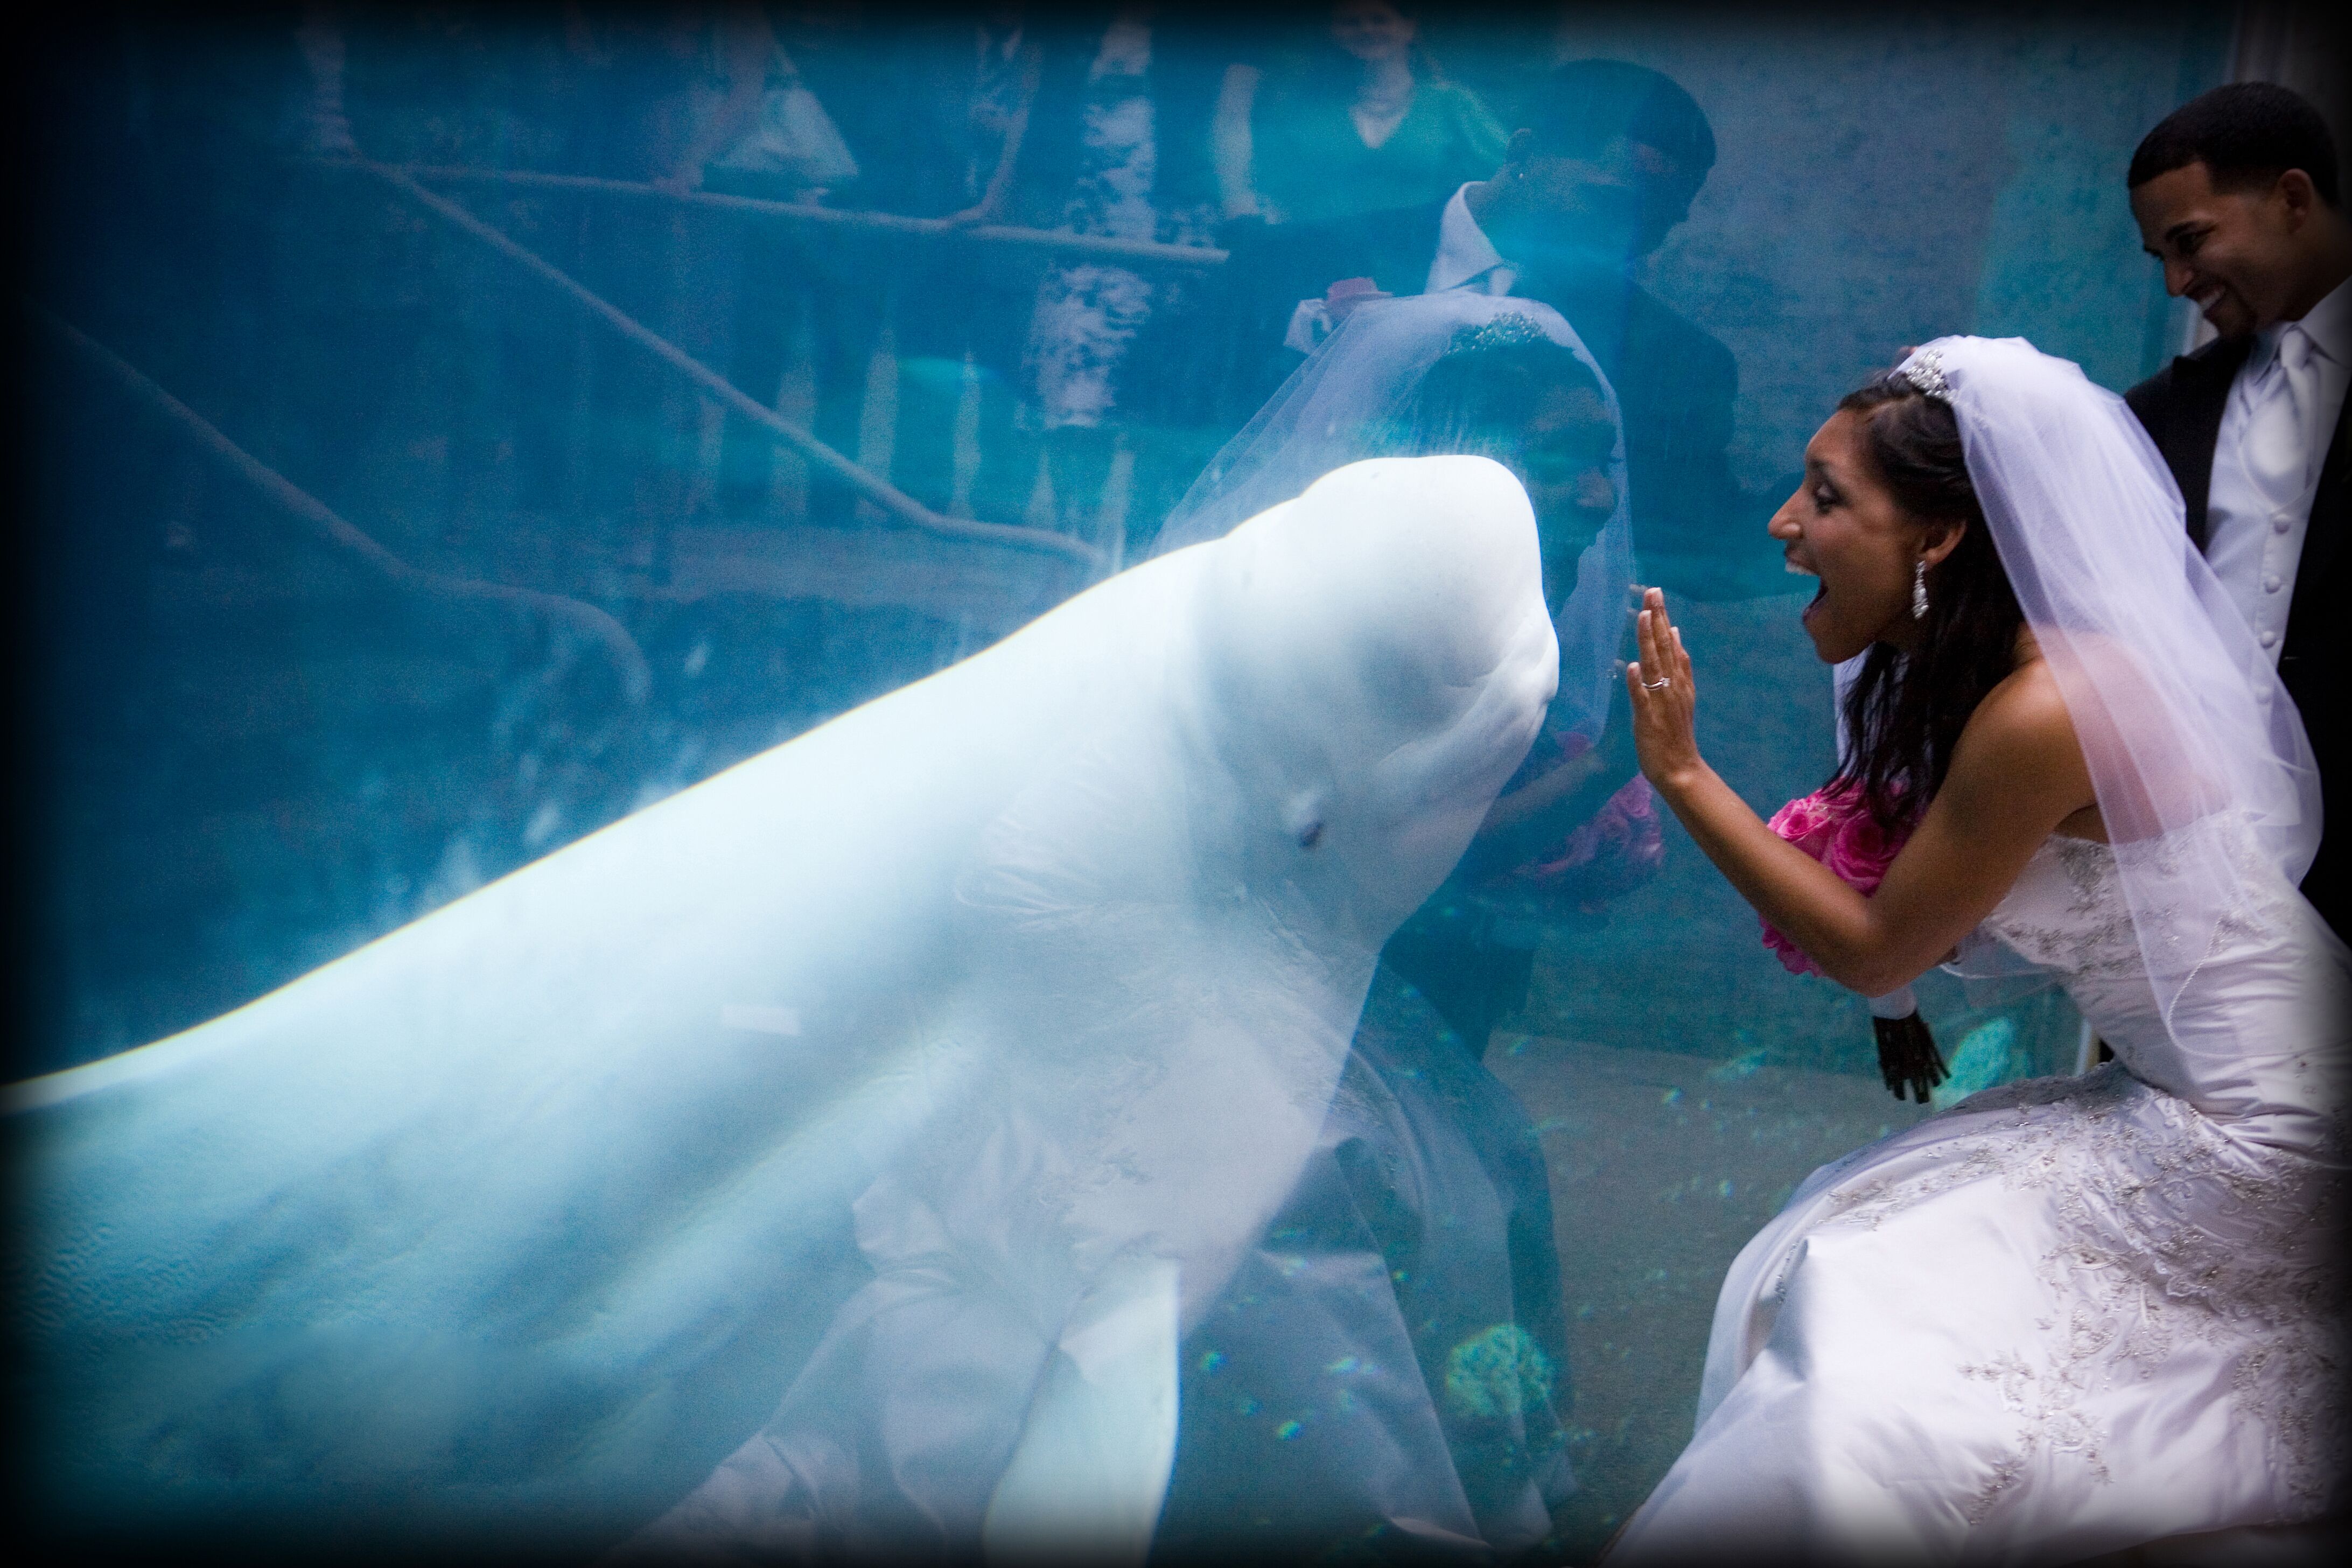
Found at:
(2203, 774)
(1341, 406)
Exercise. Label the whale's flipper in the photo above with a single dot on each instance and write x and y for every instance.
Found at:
(1091, 1468)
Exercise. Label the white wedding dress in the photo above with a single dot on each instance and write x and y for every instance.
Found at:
(2070, 1315)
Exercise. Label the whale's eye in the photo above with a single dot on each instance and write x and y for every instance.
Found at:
(1302, 818)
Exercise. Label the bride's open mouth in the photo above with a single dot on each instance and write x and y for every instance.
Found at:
(1820, 593)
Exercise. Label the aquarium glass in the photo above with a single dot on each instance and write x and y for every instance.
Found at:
(455, 429)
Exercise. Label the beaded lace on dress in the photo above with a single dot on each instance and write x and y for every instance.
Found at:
(2143, 1335)
(2171, 1228)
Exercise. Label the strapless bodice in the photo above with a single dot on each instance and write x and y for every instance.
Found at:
(2256, 1034)
(2067, 913)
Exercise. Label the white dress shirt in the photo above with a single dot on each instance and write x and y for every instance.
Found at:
(1466, 259)
(1465, 256)
(2275, 430)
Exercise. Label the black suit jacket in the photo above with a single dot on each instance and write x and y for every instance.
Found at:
(1694, 530)
(2181, 406)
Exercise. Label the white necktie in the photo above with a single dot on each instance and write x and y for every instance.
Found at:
(2279, 438)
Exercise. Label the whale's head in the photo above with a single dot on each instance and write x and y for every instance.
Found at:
(1375, 658)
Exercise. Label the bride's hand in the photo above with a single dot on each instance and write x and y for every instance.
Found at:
(1659, 685)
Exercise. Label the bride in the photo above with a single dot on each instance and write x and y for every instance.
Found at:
(2070, 1316)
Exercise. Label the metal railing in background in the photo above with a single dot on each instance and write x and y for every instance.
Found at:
(327, 526)
(893, 501)
(1108, 247)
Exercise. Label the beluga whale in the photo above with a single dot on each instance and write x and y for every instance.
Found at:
(832, 1155)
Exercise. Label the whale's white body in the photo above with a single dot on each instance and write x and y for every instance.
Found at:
(1042, 968)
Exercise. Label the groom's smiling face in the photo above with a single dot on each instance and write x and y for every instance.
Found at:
(2230, 250)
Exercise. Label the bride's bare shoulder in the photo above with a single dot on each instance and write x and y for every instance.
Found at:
(2022, 728)
(2028, 705)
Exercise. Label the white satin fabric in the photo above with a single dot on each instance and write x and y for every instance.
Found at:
(2070, 1315)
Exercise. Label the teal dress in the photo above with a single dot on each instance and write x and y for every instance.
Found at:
(1313, 165)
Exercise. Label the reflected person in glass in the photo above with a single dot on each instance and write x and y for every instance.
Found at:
(1391, 1360)
(1607, 165)
(1365, 123)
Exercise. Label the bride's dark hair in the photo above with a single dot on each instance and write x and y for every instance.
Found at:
(1485, 387)
(1904, 712)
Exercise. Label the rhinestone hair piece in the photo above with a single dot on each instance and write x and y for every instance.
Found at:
(1925, 370)
(1509, 331)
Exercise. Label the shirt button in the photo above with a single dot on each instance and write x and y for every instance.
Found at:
(2270, 639)
(2278, 525)
(2271, 585)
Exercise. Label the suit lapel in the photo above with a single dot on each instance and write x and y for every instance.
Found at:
(2204, 379)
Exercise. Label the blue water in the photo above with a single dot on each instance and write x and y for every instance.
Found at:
(257, 747)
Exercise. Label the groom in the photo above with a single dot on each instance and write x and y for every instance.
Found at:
(1606, 167)
(2235, 193)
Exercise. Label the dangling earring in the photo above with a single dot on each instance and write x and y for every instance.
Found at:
(1919, 591)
